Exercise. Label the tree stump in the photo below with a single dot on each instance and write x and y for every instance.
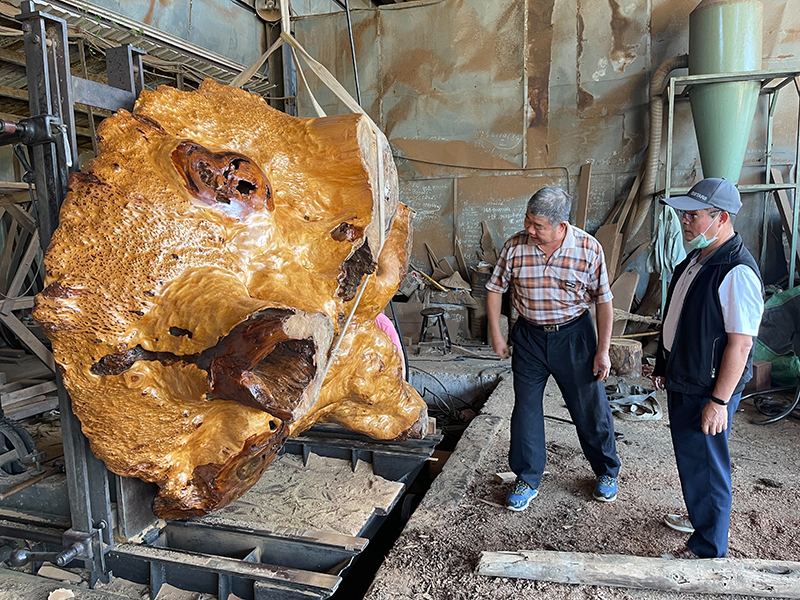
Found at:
(626, 357)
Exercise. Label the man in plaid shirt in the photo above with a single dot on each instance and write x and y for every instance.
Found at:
(555, 272)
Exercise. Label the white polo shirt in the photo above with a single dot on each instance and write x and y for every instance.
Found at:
(739, 296)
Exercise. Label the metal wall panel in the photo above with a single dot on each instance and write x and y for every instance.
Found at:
(432, 201)
(500, 201)
(222, 26)
(539, 83)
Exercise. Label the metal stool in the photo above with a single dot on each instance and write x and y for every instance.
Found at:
(433, 316)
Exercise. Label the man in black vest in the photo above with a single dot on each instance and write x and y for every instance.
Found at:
(705, 356)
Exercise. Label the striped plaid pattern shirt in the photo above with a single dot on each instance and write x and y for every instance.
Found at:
(547, 292)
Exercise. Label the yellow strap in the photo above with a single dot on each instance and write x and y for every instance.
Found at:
(245, 75)
(320, 112)
(339, 90)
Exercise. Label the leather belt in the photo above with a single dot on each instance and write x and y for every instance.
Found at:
(555, 326)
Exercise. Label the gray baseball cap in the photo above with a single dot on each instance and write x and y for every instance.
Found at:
(709, 193)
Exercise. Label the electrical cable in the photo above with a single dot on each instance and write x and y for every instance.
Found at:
(492, 169)
(505, 369)
(451, 396)
(441, 405)
(774, 411)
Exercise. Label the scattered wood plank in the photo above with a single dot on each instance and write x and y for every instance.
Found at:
(460, 261)
(487, 244)
(446, 267)
(785, 209)
(633, 256)
(610, 240)
(583, 196)
(437, 272)
(622, 229)
(718, 576)
(615, 212)
(629, 202)
(32, 406)
(12, 397)
(624, 290)
(505, 477)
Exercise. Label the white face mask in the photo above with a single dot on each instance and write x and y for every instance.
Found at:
(700, 241)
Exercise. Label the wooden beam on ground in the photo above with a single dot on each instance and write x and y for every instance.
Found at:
(583, 196)
(717, 576)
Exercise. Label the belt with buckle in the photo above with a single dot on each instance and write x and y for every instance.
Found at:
(556, 326)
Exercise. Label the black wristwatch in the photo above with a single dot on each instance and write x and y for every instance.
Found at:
(716, 400)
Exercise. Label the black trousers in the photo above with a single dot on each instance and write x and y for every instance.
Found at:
(567, 355)
(704, 466)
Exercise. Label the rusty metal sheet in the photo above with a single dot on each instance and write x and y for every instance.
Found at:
(544, 83)
(228, 29)
(500, 201)
(327, 40)
(432, 201)
(171, 16)
(452, 81)
(449, 87)
(221, 26)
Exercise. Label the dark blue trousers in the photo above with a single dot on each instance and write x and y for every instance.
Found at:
(568, 355)
(704, 466)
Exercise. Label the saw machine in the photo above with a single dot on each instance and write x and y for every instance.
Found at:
(78, 514)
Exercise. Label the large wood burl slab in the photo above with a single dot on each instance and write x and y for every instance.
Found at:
(203, 265)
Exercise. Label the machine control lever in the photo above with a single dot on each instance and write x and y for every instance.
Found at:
(22, 556)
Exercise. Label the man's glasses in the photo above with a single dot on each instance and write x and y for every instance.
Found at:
(690, 216)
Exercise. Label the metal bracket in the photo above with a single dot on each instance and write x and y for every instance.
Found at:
(76, 545)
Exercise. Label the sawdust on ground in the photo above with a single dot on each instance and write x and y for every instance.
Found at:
(438, 562)
(325, 495)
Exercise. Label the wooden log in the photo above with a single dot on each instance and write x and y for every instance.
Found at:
(718, 576)
(626, 357)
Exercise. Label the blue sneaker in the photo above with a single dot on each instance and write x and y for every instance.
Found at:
(521, 496)
(605, 490)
